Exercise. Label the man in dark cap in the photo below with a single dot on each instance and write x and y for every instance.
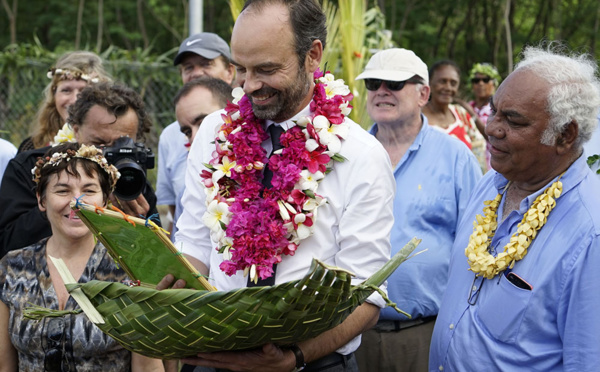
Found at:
(203, 54)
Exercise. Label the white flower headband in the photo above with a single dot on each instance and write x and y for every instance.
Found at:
(66, 74)
(85, 152)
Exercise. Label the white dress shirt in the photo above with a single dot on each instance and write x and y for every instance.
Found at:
(352, 230)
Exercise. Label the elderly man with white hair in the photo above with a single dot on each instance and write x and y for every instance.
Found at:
(523, 283)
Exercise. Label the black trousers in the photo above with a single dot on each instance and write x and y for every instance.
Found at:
(333, 362)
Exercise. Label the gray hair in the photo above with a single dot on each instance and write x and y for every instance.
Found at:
(574, 89)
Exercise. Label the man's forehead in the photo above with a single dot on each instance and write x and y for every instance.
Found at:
(524, 86)
(273, 17)
(99, 119)
(99, 115)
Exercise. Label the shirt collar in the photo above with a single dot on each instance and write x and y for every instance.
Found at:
(571, 178)
(287, 124)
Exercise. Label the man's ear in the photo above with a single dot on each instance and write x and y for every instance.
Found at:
(314, 56)
(424, 95)
(231, 74)
(567, 139)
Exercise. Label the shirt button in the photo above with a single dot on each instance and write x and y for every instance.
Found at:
(441, 368)
(474, 288)
(451, 326)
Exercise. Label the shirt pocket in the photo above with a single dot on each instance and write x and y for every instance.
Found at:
(501, 312)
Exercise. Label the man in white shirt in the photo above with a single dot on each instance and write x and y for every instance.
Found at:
(351, 229)
(203, 54)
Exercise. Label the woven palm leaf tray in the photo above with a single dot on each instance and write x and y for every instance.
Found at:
(178, 323)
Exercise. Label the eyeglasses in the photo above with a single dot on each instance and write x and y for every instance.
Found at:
(374, 84)
(55, 334)
(477, 80)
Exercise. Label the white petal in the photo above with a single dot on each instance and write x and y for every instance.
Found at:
(320, 122)
(311, 145)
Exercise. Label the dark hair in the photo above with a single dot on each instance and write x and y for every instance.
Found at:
(116, 99)
(89, 167)
(220, 90)
(307, 19)
(441, 63)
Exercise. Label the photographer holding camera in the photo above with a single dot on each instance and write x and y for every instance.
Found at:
(107, 115)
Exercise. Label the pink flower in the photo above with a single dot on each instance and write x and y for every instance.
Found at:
(318, 162)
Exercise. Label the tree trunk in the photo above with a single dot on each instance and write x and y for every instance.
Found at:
(186, 17)
(594, 39)
(440, 32)
(166, 25)
(509, 50)
(405, 15)
(12, 19)
(79, 21)
(100, 25)
(126, 40)
(141, 23)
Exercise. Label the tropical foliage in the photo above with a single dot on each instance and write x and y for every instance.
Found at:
(468, 31)
(148, 31)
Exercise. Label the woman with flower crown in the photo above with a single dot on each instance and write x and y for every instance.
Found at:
(72, 72)
(28, 277)
(484, 79)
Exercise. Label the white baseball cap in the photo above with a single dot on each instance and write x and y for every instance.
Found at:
(395, 64)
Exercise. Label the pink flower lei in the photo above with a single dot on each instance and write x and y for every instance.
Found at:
(255, 226)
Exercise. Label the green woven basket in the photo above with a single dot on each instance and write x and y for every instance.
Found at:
(178, 323)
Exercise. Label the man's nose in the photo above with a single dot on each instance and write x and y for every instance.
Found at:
(250, 83)
(493, 127)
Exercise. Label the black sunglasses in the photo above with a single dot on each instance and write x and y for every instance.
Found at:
(55, 334)
(374, 84)
(477, 80)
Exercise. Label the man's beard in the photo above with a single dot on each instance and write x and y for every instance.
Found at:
(287, 100)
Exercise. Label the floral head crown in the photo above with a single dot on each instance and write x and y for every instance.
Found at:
(85, 152)
(66, 74)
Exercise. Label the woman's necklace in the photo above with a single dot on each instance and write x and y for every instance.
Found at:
(481, 261)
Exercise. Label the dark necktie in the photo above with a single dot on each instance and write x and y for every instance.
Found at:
(275, 132)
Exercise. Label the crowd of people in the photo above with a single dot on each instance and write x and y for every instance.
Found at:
(497, 188)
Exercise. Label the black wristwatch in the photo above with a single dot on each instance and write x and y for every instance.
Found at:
(300, 364)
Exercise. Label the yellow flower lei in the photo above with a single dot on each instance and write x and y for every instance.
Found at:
(481, 262)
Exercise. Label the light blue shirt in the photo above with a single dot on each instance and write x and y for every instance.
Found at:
(7, 152)
(434, 180)
(553, 327)
(172, 158)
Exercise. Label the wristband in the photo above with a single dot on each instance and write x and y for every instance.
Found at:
(300, 364)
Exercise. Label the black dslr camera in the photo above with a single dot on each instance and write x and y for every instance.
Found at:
(131, 160)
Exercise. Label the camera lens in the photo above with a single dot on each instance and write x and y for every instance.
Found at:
(132, 181)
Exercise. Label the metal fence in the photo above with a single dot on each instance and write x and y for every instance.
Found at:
(21, 92)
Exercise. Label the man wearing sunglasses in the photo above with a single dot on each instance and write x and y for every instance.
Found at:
(435, 174)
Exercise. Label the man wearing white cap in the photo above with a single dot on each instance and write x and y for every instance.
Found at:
(199, 55)
(435, 174)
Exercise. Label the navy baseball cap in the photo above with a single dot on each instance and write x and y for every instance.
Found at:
(205, 44)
